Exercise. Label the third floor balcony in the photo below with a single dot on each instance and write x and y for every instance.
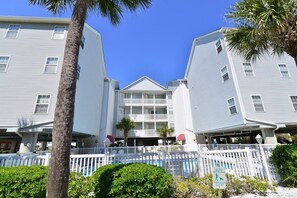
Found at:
(130, 101)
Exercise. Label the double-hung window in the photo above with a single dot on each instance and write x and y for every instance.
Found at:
(225, 74)
(59, 32)
(248, 69)
(232, 106)
(51, 65)
(219, 46)
(258, 104)
(42, 104)
(4, 60)
(283, 70)
(294, 102)
(13, 31)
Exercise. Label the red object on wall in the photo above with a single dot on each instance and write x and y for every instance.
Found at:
(181, 137)
(111, 138)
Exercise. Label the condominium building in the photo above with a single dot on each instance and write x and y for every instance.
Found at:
(31, 56)
(231, 97)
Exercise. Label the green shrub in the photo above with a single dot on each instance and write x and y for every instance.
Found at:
(284, 158)
(132, 181)
(23, 181)
(80, 186)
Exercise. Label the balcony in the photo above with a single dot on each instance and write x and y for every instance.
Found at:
(145, 117)
(126, 102)
(140, 133)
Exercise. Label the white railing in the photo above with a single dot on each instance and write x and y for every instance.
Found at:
(175, 159)
(129, 101)
(160, 101)
(148, 101)
(149, 116)
(161, 117)
(144, 117)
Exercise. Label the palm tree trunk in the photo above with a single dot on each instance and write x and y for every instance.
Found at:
(58, 175)
(126, 138)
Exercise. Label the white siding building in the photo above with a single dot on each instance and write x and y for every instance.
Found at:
(31, 56)
(231, 97)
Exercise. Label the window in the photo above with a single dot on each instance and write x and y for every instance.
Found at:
(294, 102)
(4, 60)
(42, 104)
(219, 46)
(224, 73)
(77, 72)
(13, 31)
(51, 65)
(59, 32)
(248, 69)
(232, 106)
(283, 70)
(258, 104)
(82, 41)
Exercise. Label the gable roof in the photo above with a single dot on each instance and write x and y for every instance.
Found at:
(141, 80)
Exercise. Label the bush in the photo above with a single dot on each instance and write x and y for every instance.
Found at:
(284, 158)
(131, 181)
(80, 186)
(23, 181)
(202, 187)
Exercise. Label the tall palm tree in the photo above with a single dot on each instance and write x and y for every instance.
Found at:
(164, 132)
(126, 124)
(57, 183)
(263, 26)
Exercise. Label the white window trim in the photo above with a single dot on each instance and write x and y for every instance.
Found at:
(8, 30)
(227, 73)
(53, 33)
(244, 70)
(46, 61)
(292, 102)
(217, 47)
(49, 103)
(280, 72)
(9, 58)
(264, 109)
(234, 105)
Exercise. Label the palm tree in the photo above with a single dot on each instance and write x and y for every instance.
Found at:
(126, 124)
(263, 26)
(57, 183)
(164, 132)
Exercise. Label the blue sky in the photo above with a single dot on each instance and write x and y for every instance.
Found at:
(155, 42)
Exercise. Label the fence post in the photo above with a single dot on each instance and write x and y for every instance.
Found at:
(250, 161)
(265, 164)
(47, 159)
(200, 164)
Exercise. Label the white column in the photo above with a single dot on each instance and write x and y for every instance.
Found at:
(269, 136)
(28, 143)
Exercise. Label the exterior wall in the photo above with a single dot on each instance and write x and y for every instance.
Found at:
(268, 82)
(89, 90)
(24, 78)
(208, 92)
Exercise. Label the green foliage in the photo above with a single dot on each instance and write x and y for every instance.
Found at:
(23, 181)
(202, 187)
(284, 158)
(132, 180)
(164, 132)
(80, 186)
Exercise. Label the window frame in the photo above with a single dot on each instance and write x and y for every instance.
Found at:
(217, 47)
(17, 35)
(280, 71)
(48, 104)
(244, 69)
(53, 33)
(235, 105)
(293, 102)
(261, 103)
(224, 74)
(7, 64)
(45, 64)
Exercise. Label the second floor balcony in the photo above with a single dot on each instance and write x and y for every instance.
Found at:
(145, 117)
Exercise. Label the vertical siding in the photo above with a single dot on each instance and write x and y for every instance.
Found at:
(24, 78)
(273, 88)
(208, 92)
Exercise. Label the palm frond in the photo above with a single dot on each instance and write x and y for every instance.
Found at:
(54, 6)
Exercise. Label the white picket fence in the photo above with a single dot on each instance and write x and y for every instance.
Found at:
(250, 161)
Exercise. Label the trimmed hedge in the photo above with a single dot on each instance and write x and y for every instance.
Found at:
(23, 181)
(132, 181)
(284, 158)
